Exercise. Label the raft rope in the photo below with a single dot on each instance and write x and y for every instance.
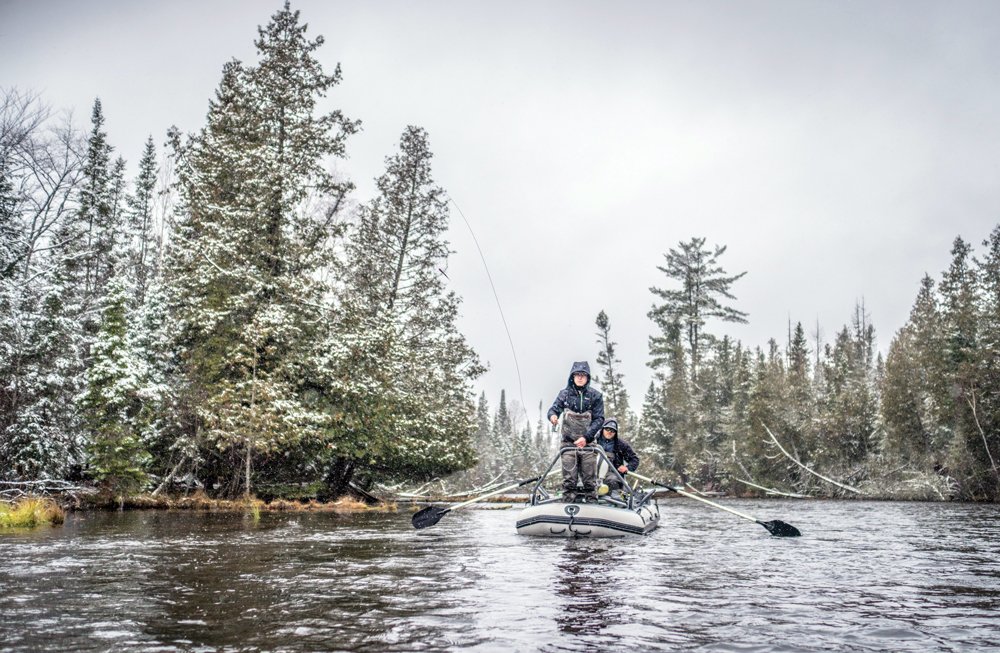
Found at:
(513, 353)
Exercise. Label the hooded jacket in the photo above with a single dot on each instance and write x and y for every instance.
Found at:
(619, 451)
(580, 400)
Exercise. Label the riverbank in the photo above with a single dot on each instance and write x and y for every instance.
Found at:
(201, 501)
(31, 512)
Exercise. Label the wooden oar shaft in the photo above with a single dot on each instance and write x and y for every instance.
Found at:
(695, 497)
(493, 493)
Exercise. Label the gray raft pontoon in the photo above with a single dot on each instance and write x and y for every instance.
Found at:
(635, 513)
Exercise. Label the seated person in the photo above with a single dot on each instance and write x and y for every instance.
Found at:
(620, 453)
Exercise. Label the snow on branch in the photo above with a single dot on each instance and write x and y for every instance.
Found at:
(817, 474)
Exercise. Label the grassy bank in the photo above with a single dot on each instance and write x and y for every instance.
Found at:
(200, 501)
(30, 512)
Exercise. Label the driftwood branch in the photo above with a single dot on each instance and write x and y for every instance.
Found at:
(986, 445)
(13, 490)
(817, 474)
(739, 463)
(772, 490)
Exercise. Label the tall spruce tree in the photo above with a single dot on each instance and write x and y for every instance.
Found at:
(139, 224)
(97, 224)
(40, 355)
(503, 436)
(111, 404)
(987, 415)
(916, 404)
(400, 319)
(258, 211)
(611, 379)
(968, 459)
(704, 284)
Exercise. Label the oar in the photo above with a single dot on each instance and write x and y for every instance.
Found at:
(433, 514)
(777, 527)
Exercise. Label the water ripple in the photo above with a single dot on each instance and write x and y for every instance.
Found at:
(864, 577)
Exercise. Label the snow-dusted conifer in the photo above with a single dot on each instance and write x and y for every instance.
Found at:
(503, 436)
(968, 458)
(704, 284)
(142, 239)
(257, 212)
(97, 223)
(611, 379)
(395, 293)
(40, 363)
(111, 404)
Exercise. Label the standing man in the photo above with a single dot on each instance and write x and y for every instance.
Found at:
(621, 454)
(582, 409)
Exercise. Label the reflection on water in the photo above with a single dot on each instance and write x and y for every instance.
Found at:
(864, 577)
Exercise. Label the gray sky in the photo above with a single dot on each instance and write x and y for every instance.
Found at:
(836, 147)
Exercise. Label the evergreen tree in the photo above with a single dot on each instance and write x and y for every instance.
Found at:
(703, 283)
(987, 416)
(97, 224)
(503, 436)
(544, 444)
(111, 404)
(611, 379)
(43, 437)
(257, 209)
(678, 441)
(968, 459)
(394, 291)
(652, 436)
(850, 425)
(765, 405)
(798, 402)
(139, 219)
(916, 404)
(40, 361)
(11, 245)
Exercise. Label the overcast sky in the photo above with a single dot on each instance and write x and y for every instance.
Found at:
(837, 148)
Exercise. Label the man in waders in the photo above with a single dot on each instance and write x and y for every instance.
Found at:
(582, 410)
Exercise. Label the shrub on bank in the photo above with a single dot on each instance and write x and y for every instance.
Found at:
(30, 512)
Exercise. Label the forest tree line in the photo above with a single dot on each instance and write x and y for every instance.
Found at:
(807, 418)
(234, 318)
(231, 318)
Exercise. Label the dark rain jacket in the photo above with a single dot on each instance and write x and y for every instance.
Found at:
(580, 400)
(620, 452)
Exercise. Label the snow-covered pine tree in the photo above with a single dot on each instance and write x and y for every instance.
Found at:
(653, 435)
(258, 211)
(97, 225)
(611, 379)
(767, 397)
(916, 404)
(11, 246)
(139, 229)
(987, 414)
(40, 363)
(111, 405)
(849, 425)
(703, 285)
(968, 458)
(395, 294)
(544, 439)
(502, 434)
(679, 440)
(44, 437)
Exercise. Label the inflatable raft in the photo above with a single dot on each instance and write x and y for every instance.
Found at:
(634, 512)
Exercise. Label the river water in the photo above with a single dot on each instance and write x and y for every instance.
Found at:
(864, 576)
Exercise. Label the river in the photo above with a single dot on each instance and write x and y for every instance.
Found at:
(864, 576)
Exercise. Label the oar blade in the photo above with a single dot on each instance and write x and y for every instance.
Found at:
(779, 528)
(429, 516)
